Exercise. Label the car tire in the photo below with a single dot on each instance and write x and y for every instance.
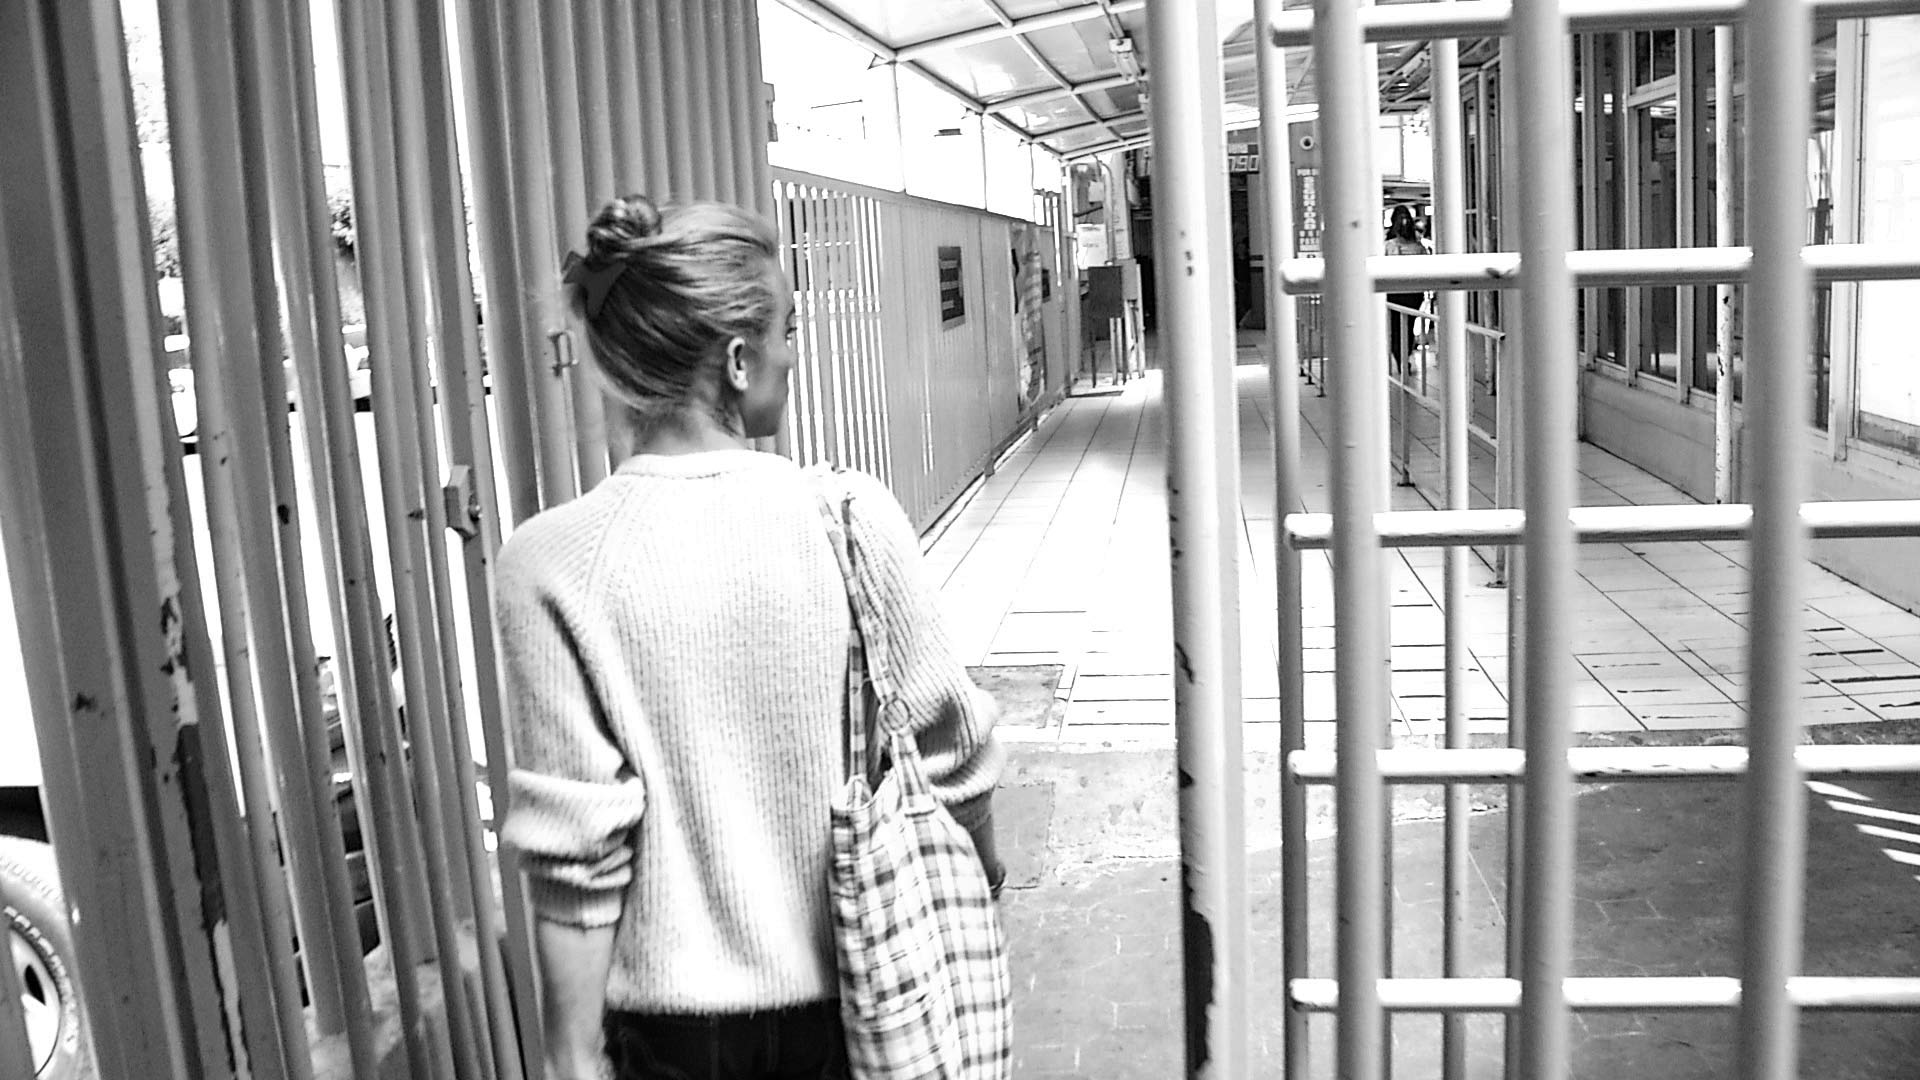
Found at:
(39, 940)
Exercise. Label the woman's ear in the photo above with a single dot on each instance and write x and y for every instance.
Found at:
(737, 375)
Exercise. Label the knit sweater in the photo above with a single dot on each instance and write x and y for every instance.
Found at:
(674, 646)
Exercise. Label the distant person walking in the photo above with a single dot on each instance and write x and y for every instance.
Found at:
(676, 662)
(1403, 238)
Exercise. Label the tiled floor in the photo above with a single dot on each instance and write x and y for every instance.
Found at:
(1061, 557)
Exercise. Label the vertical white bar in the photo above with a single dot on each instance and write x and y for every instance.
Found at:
(623, 96)
(1203, 501)
(590, 32)
(508, 323)
(566, 159)
(1549, 392)
(222, 244)
(1502, 198)
(1350, 202)
(1283, 373)
(1449, 211)
(461, 395)
(136, 787)
(1723, 237)
(336, 976)
(757, 108)
(665, 148)
(672, 20)
(538, 246)
(1779, 110)
(378, 128)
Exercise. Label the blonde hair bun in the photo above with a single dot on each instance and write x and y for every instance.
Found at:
(624, 226)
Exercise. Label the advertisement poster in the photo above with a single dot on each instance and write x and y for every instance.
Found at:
(1029, 315)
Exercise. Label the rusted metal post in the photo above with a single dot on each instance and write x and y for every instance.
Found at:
(1203, 498)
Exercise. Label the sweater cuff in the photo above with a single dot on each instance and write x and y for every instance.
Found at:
(571, 905)
(970, 813)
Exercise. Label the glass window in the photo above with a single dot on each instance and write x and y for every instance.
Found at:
(1654, 55)
(1889, 380)
(1656, 141)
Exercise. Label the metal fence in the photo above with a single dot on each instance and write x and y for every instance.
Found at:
(924, 350)
(226, 649)
(1537, 393)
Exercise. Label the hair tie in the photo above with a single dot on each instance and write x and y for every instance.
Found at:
(594, 284)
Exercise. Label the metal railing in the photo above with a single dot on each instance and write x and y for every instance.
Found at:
(1542, 523)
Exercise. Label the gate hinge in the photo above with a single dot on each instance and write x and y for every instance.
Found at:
(462, 502)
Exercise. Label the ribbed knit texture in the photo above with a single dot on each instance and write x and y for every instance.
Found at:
(675, 656)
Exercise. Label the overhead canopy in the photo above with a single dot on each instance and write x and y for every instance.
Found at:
(1072, 74)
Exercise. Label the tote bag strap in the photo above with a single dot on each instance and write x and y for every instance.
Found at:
(858, 719)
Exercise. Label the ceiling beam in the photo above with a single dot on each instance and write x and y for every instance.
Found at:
(1133, 143)
(1002, 30)
(1105, 121)
(1021, 101)
(828, 19)
(1045, 66)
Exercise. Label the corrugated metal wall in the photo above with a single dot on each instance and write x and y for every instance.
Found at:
(885, 382)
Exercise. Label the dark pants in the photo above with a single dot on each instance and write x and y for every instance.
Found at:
(1401, 327)
(800, 1043)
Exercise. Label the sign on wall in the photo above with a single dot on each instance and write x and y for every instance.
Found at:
(1306, 202)
(953, 300)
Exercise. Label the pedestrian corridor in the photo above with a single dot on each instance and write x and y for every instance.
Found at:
(1060, 558)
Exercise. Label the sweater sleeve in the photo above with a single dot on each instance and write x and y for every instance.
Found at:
(573, 798)
(951, 718)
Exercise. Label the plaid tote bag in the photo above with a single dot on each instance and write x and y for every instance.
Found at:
(924, 989)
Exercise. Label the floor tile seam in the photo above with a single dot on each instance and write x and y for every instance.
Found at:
(1058, 418)
(1063, 421)
(1105, 413)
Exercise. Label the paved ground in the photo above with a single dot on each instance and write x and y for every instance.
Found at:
(1056, 582)
(1092, 919)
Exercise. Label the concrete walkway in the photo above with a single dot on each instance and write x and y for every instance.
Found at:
(1061, 559)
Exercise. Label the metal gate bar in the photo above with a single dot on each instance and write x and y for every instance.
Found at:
(1203, 492)
(1607, 764)
(1635, 266)
(450, 397)
(1768, 993)
(1494, 18)
(1283, 374)
(103, 527)
(287, 125)
(1346, 67)
(1866, 519)
(386, 207)
(1780, 111)
(1456, 386)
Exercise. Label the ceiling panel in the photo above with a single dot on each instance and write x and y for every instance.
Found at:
(1021, 9)
(1079, 51)
(1041, 116)
(994, 69)
(898, 23)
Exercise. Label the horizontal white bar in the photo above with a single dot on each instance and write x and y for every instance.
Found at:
(1609, 267)
(1620, 994)
(1506, 765)
(1489, 18)
(1615, 524)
